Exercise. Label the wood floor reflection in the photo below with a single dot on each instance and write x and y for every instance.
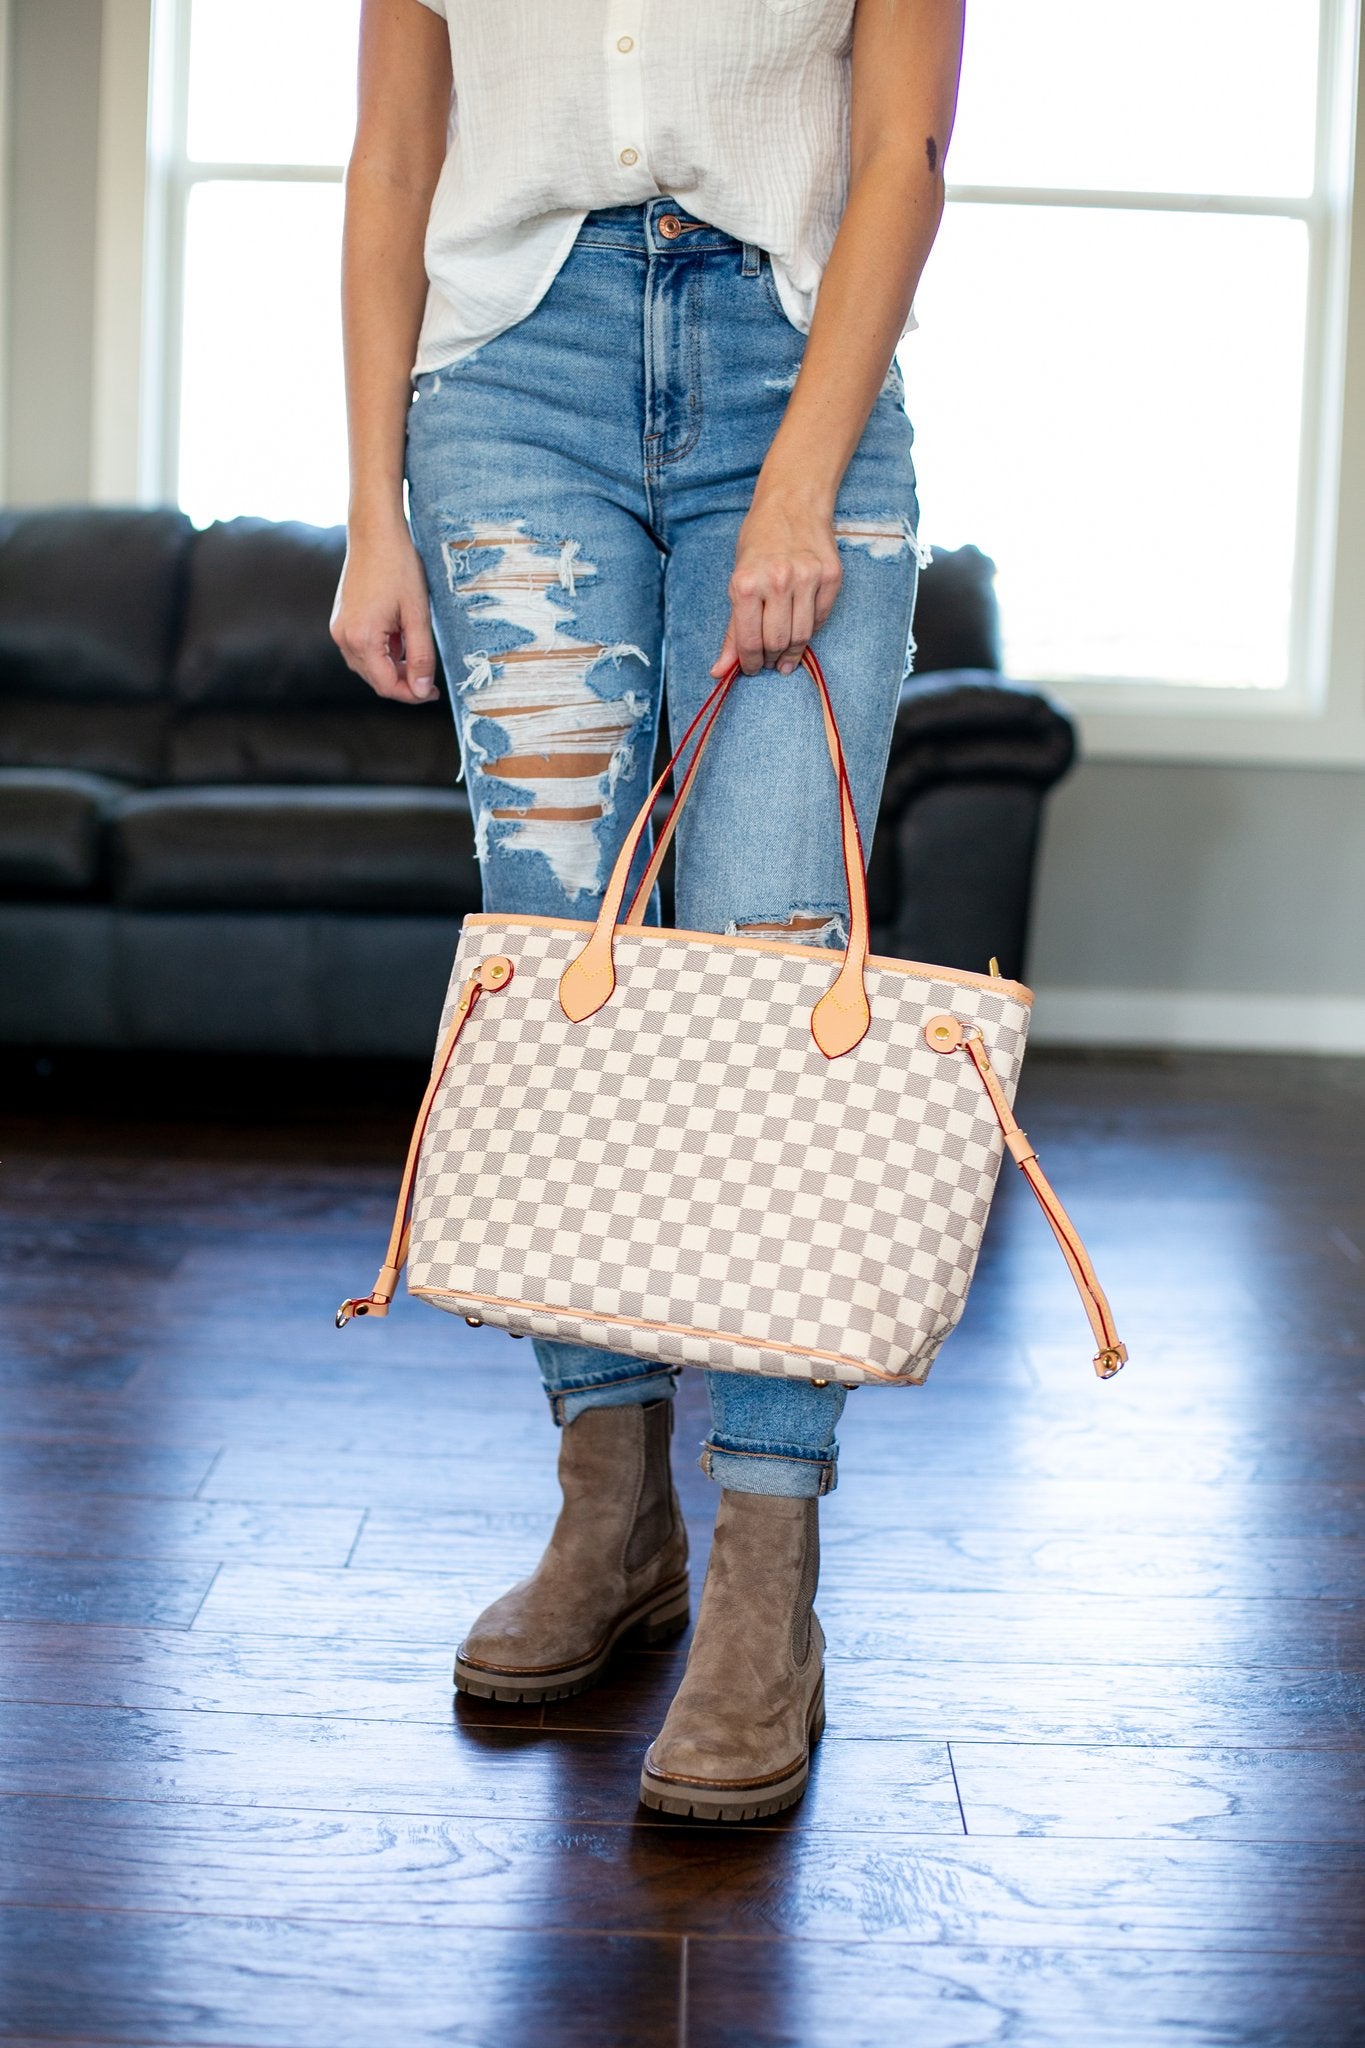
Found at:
(1094, 1771)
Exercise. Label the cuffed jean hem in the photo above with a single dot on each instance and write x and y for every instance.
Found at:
(772, 1469)
(568, 1402)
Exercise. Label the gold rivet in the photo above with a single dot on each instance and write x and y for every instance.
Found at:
(943, 1033)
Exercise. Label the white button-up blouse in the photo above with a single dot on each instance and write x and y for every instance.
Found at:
(737, 108)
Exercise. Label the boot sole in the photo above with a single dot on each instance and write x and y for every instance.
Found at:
(695, 1800)
(667, 1617)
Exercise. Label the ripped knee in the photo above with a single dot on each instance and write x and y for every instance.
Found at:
(537, 722)
(807, 928)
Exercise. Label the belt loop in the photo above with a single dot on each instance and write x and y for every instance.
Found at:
(750, 265)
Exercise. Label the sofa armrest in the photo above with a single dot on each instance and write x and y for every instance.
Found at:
(951, 876)
(975, 723)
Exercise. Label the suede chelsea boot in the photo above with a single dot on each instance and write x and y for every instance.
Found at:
(736, 1742)
(616, 1565)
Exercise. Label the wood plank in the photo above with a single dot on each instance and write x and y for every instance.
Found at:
(823, 1995)
(1112, 1560)
(348, 1677)
(131, 1591)
(1028, 1703)
(984, 1628)
(188, 1981)
(124, 1525)
(1156, 1792)
(340, 1677)
(355, 1766)
(1076, 1506)
(772, 1880)
(74, 1465)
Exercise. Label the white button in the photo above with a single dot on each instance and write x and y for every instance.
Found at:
(630, 156)
(625, 43)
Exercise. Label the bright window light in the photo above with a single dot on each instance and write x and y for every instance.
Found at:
(272, 81)
(262, 407)
(1107, 402)
(1169, 96)
(1110, 398)
(259, 426)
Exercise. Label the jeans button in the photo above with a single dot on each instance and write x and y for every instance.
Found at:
(670, 227)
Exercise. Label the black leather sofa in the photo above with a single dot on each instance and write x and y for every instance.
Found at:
(212, 836)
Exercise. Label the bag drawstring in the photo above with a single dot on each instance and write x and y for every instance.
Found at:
(487, 979)
(1112, 1354)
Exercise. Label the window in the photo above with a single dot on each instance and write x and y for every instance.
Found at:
(1118, 381)
(1124, 383)
(257, 105)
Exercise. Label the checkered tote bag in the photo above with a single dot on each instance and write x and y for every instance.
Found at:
(701, 1150)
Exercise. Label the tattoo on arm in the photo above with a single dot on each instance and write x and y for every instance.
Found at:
(931, 151)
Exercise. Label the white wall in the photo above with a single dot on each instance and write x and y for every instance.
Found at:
(1178, 903)
(1201, 904)
(53, 142)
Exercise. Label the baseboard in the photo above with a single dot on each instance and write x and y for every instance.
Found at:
(1204, 1018)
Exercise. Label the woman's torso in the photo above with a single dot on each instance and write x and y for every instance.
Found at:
(737, 108)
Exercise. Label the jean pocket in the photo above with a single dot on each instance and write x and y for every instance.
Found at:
(765, 267)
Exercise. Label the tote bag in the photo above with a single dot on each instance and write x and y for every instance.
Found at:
(702, 1150)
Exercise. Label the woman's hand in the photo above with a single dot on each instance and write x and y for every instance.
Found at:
(786, 577)
(381, 620)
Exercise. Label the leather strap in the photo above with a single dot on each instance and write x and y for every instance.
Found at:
(1112, 1354)
(488, 977)
(841, 1018)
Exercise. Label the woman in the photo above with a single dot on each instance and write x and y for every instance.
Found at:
(584, 240)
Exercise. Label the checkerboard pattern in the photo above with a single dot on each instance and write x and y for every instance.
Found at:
(685, 1177)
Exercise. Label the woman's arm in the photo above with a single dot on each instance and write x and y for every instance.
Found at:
(381, 620)
(906, 58)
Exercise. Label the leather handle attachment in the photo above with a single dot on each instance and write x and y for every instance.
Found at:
(488, 977)
(841, 1018)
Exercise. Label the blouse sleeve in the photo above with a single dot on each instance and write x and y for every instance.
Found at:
(436, 6)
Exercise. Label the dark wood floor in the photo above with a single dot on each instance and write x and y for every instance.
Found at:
(1097, 1684)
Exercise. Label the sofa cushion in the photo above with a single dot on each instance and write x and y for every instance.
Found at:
(957, 617)
(371, 742)
(320, 849)
(260, 597)
(89, 601)
(51, 830)
(123, 740)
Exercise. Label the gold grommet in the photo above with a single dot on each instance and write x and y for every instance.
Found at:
(944, 1034)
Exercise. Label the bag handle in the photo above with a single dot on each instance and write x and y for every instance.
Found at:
(841, 1018)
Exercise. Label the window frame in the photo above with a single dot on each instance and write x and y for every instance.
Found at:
(1317, 719)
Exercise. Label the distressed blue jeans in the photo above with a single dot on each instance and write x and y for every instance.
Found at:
(576, 488)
